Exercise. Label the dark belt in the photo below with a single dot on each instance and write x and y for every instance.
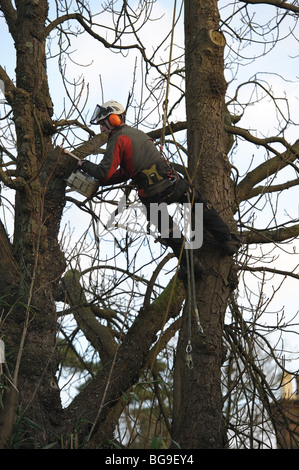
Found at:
(162, 188)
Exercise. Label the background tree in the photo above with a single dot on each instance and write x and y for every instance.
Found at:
(110, 310)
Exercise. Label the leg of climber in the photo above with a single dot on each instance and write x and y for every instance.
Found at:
(218, 228)
(174, 239)
(176, 244)
(212, 221)
(229, 242)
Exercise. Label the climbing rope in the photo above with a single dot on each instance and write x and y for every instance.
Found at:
(165, 104)
(192, 303)
(191, 291)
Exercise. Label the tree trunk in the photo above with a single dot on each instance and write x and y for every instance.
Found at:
(30, 326)
(197, 419)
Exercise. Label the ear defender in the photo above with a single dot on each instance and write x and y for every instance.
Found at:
(114, 120)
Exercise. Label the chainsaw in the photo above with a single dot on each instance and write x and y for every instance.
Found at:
(80, 181)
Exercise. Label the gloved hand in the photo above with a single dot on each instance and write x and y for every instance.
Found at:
(80, 165)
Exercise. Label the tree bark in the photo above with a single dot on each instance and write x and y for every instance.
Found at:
(197, 418)
(30, 327)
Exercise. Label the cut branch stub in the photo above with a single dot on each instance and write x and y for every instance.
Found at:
(216, 37)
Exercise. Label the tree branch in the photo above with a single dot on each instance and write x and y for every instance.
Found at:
(269, 270)
(58, 21)
(17, 183)
(272, 188)
(266, 169)
(10, 15)
(132, 357)
(91, 147)
(175, 127)
(256, 140)
(78, 17)
(9, 88)
(100, 337)
(276, 3)
(271, 236)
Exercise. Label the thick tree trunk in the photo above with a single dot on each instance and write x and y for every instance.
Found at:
(197, 418)
(30, 326)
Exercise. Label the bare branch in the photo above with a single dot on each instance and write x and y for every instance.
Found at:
(99, 336)
(266, 169)
(9, 86)
(89, 30)
(269, 270)
(17, 183)
(276, 3)
(271, 236)
(10, 16)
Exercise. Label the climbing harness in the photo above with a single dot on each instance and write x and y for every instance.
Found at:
(158, 180)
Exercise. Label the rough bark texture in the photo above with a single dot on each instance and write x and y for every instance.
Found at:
(30, 325)
(198, 420)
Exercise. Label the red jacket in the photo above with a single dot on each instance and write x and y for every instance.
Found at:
(128, 152)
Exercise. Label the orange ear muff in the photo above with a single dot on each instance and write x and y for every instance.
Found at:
(114, 120)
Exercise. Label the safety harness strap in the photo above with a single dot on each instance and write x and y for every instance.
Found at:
(156, 180)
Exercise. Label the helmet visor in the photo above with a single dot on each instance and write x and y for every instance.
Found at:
(101, 112)
(98, 115)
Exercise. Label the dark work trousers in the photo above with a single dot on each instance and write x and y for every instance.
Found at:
(211, 219)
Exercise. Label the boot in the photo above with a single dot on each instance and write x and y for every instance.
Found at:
(229, 242)
(231, 247)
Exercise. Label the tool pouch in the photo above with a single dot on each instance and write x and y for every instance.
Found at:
(156, 180)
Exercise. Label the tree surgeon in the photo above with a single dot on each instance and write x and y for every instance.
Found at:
(132, 155)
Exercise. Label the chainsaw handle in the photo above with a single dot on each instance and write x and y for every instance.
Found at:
(70, 153)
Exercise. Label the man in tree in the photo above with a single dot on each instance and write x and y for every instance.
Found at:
(131, 154)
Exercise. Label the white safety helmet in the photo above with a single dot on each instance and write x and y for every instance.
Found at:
(105, 110)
